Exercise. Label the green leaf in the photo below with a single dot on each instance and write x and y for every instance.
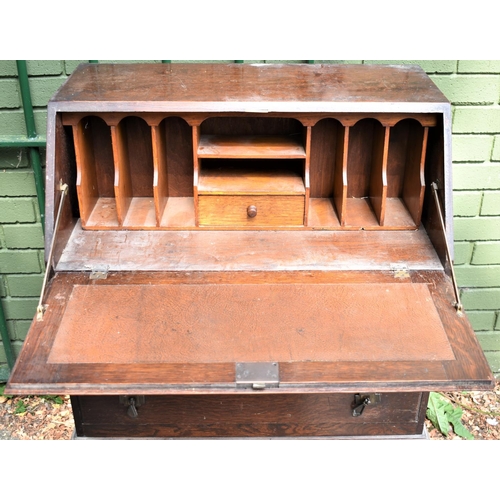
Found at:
(20, 407)
(2, 392)
(455, 418)
(436, 413)
(442, 413)
(55, 399)
(461, 431)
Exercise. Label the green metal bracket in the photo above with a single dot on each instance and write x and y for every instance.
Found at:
(6, 339)
(29, 118)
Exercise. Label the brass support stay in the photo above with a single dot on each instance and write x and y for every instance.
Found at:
(41, 308)
(458, 304)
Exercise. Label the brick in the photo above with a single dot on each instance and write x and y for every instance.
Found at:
(466, 203)
(119, 61)
(11, 329)
(8, 68)
(493, 358)
(70, 66)
(12, 122)
(16, 210)
(467, 177)
(24, 236)
(16, 347)
(476, 120)
(19, 262)
(427, 66)
(334, 61)
(486, 253)
(497, 324)
(481, 320)
(463, 251)
(42, 89)
(495, 154)
(470, 89)
(478, 276)
(22, 327)
(17, 183)
(481, 298)
(13, 158)
(479, 66)
(44, 68)
(490, 341)
(471, 147)
(25, 285)
(9, 95)
(477, 228)
(491, 203)
(3, 288)
(16, 308)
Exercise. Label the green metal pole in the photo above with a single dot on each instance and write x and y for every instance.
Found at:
(29, 118)
(6, 339)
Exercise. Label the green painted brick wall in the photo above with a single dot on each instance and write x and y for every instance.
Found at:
(473, 87)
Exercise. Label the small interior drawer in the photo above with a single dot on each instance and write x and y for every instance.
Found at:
(251, 211)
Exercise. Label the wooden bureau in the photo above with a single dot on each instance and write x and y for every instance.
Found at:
(249, 251)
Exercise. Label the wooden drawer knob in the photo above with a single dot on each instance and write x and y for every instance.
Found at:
(251, 211)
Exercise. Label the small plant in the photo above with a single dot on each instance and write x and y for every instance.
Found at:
(55, 399)
(442, 414)
(20, 407)
(2, 393)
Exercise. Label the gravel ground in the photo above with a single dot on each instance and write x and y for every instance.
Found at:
(49, 417)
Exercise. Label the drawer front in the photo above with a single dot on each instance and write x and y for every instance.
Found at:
(251, 211)
(250, 415)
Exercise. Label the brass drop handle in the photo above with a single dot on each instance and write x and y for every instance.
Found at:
(251, 211)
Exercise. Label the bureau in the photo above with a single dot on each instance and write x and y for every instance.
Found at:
(249, 251)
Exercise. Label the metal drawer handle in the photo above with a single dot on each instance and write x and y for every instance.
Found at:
(132, 403)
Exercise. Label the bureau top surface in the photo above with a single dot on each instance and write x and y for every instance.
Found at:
(248, 88)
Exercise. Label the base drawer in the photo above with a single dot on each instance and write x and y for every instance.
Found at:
(250, 415)
(251, 211)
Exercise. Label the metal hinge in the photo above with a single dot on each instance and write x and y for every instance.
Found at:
(99, 272)
(257, 375)
(400, 270)
(361, 401)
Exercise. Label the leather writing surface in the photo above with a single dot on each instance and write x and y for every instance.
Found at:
(210, 323)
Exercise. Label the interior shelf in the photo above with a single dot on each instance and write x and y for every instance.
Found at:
(242, 181)
(250, 146)
(103, 215)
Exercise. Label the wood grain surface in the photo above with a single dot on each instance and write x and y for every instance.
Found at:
(291, 87)
(245, 250)
(34, 374)
(249, 323)
(258, 415)
(272, 211)
(258, 146)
